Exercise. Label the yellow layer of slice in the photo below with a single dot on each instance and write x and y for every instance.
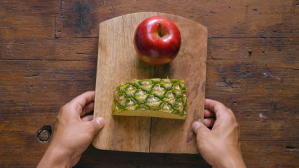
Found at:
(149, 113)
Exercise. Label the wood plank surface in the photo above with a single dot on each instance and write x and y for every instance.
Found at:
(29, 19)
(175, 136)
(226, 18)
(118, 62)
(246, 56)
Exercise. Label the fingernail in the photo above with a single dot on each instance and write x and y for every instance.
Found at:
(100, 121)
(195, 125)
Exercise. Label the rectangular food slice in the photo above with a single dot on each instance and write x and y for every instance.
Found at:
(165, 98)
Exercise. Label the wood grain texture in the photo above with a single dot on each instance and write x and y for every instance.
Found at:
(32, 18)
(175, 136)
(118, 62)
(246, 18)
(38, 88)
(40, 73)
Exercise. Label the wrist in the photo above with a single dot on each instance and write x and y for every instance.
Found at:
(56, 157)
(230, 161)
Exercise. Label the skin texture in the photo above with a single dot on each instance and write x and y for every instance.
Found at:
(220, 146)
(75, 129)
(157, 40)
(73, 132)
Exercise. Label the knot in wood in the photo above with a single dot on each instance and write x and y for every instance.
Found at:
(44, 134)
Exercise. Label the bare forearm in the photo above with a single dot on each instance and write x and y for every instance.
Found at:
(55, 158)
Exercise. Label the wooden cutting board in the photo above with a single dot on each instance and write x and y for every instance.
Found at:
(118, 62)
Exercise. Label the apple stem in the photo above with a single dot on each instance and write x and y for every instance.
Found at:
(160, 29)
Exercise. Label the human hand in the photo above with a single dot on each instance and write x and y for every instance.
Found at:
(220, 147)
(73, 132)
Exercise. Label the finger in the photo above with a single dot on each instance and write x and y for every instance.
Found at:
(83, 99)
(209, 122)
(218, 108)
(88, 108)
(87, 118)
(209, 114)
(199, 128)
(97, 123)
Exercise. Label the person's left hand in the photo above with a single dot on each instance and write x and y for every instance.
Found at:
(73, 132)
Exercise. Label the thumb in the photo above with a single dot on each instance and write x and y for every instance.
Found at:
(98, 123)
(199, 128)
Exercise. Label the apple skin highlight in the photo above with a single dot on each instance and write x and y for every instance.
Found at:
(157, 40)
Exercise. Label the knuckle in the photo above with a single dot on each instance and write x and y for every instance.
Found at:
(230, 117)
(202, 133)
(64, 108)
(197, 131)
(94, 129)
(230, 110)
(78, 107)
(89, 127)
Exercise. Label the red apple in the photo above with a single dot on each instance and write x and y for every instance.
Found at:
(157, 40)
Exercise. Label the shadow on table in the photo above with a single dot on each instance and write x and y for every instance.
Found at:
(93, 157)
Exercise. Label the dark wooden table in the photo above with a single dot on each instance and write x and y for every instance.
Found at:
(48, 55)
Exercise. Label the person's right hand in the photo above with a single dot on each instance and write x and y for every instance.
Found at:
(220, 147)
